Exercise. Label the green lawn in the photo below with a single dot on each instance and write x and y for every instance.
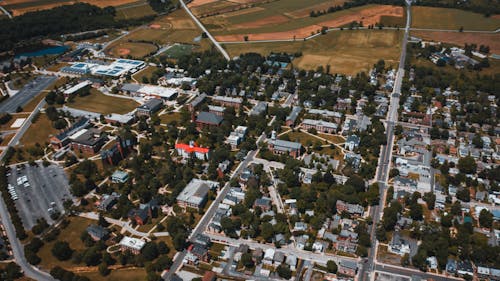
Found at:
(38, 132)
(178, 50)
(100, 103)
(444, 18)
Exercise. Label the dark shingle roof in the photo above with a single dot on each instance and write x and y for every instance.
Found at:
(209, 118)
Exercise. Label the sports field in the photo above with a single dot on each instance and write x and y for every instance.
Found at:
(443, 18)
(134, 10)
(345, 51)
(462, 38)
(19, 7)
(134, 49)
(269, 21)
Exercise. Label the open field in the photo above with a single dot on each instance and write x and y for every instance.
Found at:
(134, 10)
(132, 274)
(345, 51)
(134, 49)
(177, 51)
(145, 72)
(443, 18)
(176, 27)
(461, 38)
(100, 103)
(19, 7)
(38, 132)
(268, 22)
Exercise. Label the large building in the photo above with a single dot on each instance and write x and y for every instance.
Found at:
(117, 68)
(158, 92)
(62, 139)
(133, 245)
(320, 126)
(78, 88)
(195, 194)
(87, 141)
(277, 146)
(228, 101)
(208, 120)
(149, 107)
(187, 150)
(292, 118)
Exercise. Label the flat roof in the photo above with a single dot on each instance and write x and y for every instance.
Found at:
(133, 243)
(195, 191)
(77, 87)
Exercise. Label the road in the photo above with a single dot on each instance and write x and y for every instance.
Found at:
(202, 224)
(5, 12)
(28, 92)
(124, 225)
(384, 164)
(402, 271)
(202, 27)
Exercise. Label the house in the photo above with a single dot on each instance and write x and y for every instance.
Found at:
(348, 268)
(200, 252)
(259, 109)
(353, 209)
(320, 126)
(207, 120)
(195, 194)
(228, 101)
(209, 276)
(202, 240)
(149, 107)
(187, 150)
(257, 255)
(140, 215)
(108, 201)
(451, 266)
(237, 136)
(268, 256)
(119, 176)
(398, 245)
(278, 258)
(133, 245)
(87, 141)
(432, 262)
(300, 226)
(277, 146)
(97, 232)
(291, 260)
(352, 142)
(292, 118)
(465, 268)
(264, 203)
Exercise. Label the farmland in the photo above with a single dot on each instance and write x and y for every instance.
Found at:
(19, 7)
(134, 10)
(345, 51)
(276, 21)
(442, 18)
(460, 39)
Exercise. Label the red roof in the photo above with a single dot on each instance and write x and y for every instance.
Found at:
(191, 149)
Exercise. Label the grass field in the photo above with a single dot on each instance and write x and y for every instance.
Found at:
(145, 72)
(134, 10)
(38, 132)
(345, 51)
(178, 50)
(303, 138)
(170, 117)
(443, 18)
(100, 103)
(70, 234)
(269, 22)
(462, 38)
(134, 49)
(118, 275)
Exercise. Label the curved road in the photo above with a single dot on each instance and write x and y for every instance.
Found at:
(219, 47)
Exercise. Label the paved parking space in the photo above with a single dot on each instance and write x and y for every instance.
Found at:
(26, 94)
(42, 193)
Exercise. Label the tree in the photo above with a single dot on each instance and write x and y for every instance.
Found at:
(150, 251)
(430, 199)
(467, 165)
(247, 260)
(331, 266)
(284, 271)
(61, 250)
(485, 218)
(103, 269)
(12, 271)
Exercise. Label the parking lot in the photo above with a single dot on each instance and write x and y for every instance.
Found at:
(38, 191)
(26, 94)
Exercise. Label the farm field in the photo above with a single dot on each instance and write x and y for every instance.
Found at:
(345, 51)
(100, 103)
(460, 39)
(443, 18)
(134, 10)
(267, 21)
(19, 7)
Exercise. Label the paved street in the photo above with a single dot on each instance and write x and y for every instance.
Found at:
(202, 224)
(26, 94)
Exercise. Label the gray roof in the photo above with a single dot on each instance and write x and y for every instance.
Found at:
(210, 118)
(349, 264)
(294, 114)
(151, 104)
(287, 145)
(131, 87)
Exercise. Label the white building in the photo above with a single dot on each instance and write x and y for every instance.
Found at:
(133, 245)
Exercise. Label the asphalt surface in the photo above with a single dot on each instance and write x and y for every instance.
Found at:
(202, 224)
(46, 185)
(26, 94)
(386, 153)
(396, 270)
